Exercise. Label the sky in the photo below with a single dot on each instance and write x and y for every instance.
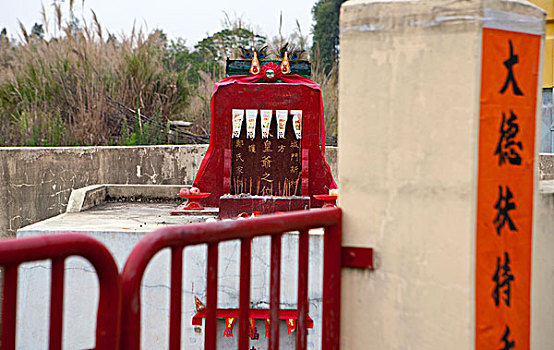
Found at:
(191, 20)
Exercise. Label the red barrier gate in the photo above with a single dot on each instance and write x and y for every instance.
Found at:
(57, 248)
(179, 237)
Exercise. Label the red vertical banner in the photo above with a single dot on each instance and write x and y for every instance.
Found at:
(509, 78)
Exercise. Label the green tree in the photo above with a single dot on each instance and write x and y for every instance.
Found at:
(179, 58)
(326, 32)
(209, 54)
(221, 45)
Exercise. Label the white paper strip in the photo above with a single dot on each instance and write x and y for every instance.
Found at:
(282, 116)
(267, 114)
(297, 123)
(238, 116)
(251, 116)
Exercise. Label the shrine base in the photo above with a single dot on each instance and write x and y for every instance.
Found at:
(232, 206)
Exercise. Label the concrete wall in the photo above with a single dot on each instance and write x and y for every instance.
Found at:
(542, 281)
(547, 125)
(35, 183)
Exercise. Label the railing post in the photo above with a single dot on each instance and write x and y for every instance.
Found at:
(176, 298)
(275, 291)
(9, 307)
(244, 298)
(303, 264)
(331, 286)
(56, 304)
(210, 341)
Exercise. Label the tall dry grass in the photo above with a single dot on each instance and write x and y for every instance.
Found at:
(84, 85)
(328, 82)
(198, 107)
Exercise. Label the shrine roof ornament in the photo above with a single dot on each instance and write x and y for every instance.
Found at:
(271, 72)
(242, 67)
(287, 58)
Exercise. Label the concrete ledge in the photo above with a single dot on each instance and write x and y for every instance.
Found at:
(161, 193)
(85, 198)
(546, 187)
(91, 196)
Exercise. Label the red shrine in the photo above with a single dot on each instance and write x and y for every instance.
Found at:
(267, 144)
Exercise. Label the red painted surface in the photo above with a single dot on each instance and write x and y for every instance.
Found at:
(357, 257)
(275, 292)
(9, 307)
(214, 173)
(303, 256)
(230, 207)
(176, 297)
(192, 203)
(210, 340)
(329, 201)
(306, 171)
(332, 241)
(244, 293)
(257, 314)
(178, 237)
(14, 252)
(56, 303)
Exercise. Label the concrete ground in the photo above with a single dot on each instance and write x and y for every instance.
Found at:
(116, 217)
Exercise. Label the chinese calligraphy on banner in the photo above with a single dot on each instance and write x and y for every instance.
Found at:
(509, 78)
(267, 166)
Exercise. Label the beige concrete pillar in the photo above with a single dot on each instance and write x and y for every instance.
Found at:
(409, 121)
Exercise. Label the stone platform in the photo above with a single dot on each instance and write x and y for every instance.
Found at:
(117, 217)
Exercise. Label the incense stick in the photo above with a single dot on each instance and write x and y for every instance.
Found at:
(296, 187)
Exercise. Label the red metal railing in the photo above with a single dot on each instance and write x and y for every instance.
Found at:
(57, 248)
(178, 237)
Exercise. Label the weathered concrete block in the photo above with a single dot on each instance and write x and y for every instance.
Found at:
(35, 183)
